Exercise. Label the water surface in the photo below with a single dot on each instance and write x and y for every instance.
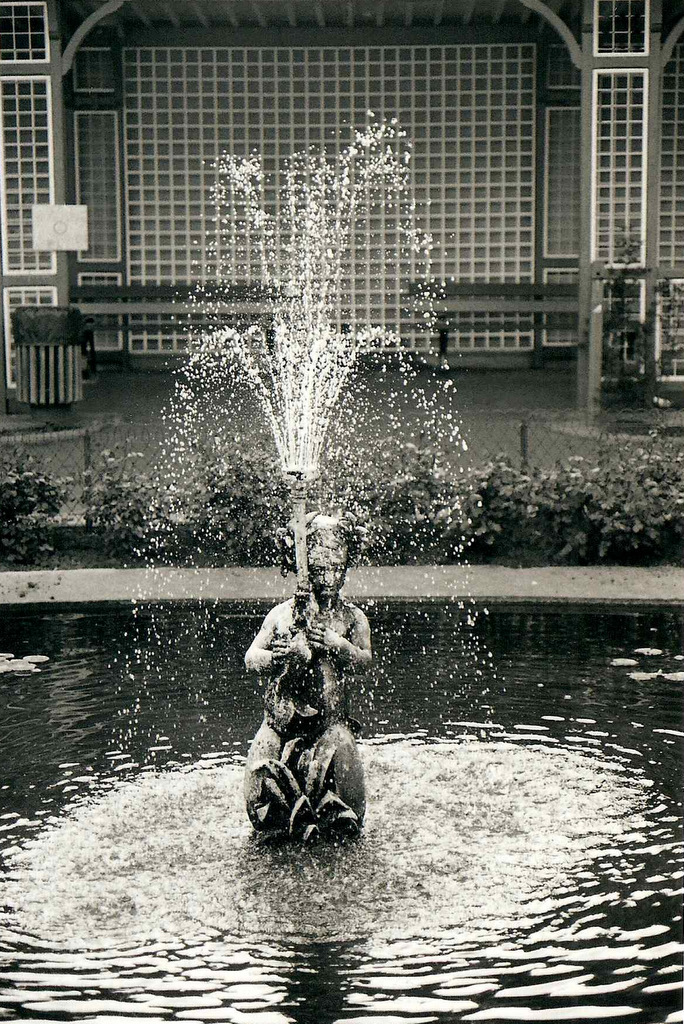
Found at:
(521, 859)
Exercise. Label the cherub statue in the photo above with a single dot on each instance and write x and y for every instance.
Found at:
(304, 776)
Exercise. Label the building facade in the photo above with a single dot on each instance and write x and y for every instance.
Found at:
(547, 140)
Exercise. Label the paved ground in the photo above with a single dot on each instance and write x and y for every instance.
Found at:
(491, 584)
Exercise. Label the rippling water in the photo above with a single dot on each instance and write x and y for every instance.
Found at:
(522, 858)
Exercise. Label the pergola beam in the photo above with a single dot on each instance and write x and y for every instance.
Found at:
(171, 15)
(199, 14)
(83, 29)
(140, 14)
(408, 13)
(546, 12)
(230, 13)
(439, 13)
(673, 38)
(380, 13)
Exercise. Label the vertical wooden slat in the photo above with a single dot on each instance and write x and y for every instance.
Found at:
(43, 375)
(33, 375)
(61, 371)
(78, 375)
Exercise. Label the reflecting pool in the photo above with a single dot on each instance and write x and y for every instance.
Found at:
(521, 860)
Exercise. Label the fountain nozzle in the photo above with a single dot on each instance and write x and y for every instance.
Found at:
(298, 481)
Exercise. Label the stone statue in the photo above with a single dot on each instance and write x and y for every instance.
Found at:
(304, 776)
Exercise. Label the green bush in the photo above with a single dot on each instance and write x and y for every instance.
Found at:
(499, 508)
(628, 506)
(411, 505)
(131, 510)
(625, 506)
(240, 504)
(29, 500)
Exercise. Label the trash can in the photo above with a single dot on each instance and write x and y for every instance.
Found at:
(48, 350)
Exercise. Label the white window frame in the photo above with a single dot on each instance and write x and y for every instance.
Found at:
(679, 376)
(612, 72)
(42, 271)
(81, 256)
(46, 29)
(603, 54)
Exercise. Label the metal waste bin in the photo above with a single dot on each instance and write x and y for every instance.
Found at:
(48, 352)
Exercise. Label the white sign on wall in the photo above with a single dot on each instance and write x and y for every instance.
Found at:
(60, 228)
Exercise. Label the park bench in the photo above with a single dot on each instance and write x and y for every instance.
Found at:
(117, 305)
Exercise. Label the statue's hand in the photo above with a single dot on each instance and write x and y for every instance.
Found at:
(295, 649)
(323, 638)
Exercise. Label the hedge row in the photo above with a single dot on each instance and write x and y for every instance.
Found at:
(626, 506)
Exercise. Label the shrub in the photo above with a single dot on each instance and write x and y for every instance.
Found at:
(627, 505)
(29, 500)
(412, 507)
(499, 508)
(244, 501)
(132, 511)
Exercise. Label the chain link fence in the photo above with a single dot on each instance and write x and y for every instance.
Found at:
(539, 438)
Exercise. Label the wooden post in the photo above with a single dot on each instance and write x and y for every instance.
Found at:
(59, 145)
(584, 357)
(595, 347)
(654, 118)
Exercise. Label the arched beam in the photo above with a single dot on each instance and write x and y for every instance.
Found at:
(561, 28)
(671, 41)
(82, 31)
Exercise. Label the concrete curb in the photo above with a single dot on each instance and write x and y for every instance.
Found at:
(620, 586)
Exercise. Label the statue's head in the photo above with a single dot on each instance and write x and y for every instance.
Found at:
(333, 544)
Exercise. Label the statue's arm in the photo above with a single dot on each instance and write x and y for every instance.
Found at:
(360, 653)
(259, 657)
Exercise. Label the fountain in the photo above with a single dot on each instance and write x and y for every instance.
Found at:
(303, 775)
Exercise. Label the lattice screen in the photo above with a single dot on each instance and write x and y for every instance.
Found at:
(670, 333)
(96, 134)
(477, 332)
(94, 70)
(561, 73)
(469, 109)
(622, 26)
(619, 163)
(24, 33)
(12, 298)
(672, 163)
(563, 184)
(28, 175)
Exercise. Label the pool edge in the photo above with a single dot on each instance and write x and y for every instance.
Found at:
(661, 586)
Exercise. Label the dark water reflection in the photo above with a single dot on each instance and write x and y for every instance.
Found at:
(124, 695)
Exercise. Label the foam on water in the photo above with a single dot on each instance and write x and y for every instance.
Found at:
(466, 838)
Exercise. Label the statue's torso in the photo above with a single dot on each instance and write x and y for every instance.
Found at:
(305, 699)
